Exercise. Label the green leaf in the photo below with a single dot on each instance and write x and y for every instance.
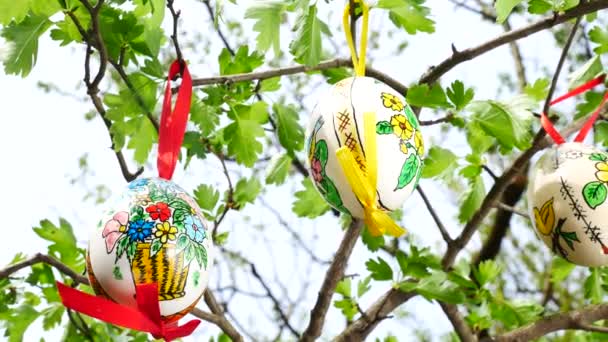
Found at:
(380, 270)
(595, 193)
(268, 23)
(460, 96)
(52, 316)
(384, 127)
(246, 191)
(63, 242)
(601, 133)
(348, 307)
(509, 122)
(599, 36)
(307, 45)
(373, 243)
(363, 286)
(309, 202)
(344, 287)
(155, 247)
(593, 286)
(278, 169)
(13, 11)
(409, 15)
(270, 84)
(143, 140)
(408, 171)
(241, 62)
(423, 96)
(472, 199)
(437, 287)
(289, 131)
(438, 161)
(587, 72)
(18, 322)
(23, 38)
(206, 197)
(478, 140)
(539, 6)
(182, 242)
(487, 271)
(242, 134)
(402, 260)
(560, 269)
(504, 8)
(591, 103)
(539, 90)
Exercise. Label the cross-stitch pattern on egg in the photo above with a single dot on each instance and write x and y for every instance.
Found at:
(153, 233)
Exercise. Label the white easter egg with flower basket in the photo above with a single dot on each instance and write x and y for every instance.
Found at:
(337, 121)
(152, 233)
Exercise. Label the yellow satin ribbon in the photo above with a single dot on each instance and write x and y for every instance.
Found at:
(364, 185)
(358, 62)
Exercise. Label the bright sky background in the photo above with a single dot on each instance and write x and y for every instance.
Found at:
(43, 135)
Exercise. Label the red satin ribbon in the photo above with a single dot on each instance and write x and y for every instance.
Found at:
(146, 317)
(548, 125)
(173, 123)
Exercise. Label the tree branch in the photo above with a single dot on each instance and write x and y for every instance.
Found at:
(444, 232)
(434, 73)
(577, 319)
(222, 322)
(47, 259)
(460, 325)
(334, 274)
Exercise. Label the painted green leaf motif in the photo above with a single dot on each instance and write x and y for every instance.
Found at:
(598, 157)
(570, 237)
(116, 273)
(195, 277)
(190, 253)
(321, 152)
(121, 247)
(155, 247)
(182, 242)
(131, 249)
(408, 171)
(595, 193)
(331, 194)
(384, 127)
(411, 117)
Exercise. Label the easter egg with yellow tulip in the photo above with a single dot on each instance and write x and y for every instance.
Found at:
(154, 232)
(567, 197)
(365, 150)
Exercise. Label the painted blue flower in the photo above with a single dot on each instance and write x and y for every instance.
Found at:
(139, 230)
(195, 228)
(138, 183)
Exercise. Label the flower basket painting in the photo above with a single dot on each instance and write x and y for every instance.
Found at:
(162, 237)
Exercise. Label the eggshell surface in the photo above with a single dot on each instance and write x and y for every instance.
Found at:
(337, 120)
(154, 232)
(567, 202)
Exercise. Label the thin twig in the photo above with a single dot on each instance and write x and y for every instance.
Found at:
(38, 258)
(512, 209)
(223, 323)
(460, 325)
(444, 232)
(219, 32)
(489, 171)
(175, 15)
(334, 273)
(446, 118)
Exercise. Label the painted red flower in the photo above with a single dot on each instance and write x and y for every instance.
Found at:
(160, 211)
(316, 170)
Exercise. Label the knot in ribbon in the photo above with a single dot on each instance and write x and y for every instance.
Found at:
(146, 317)
(364, 184)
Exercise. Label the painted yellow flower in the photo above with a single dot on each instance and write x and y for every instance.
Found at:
(165, 231)
(403, 146)
(391, 101)
(419, 143)
(402, 127)
(545, 218)
(602, 171)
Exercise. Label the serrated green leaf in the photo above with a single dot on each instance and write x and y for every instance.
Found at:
(307, 45)
(593, 286)
(585, 73)
(270, 84)
(278, 169)
(380, 270)
(344, 287)
(504, 8)
(600, 37)
(309, 202)
(373, 243)
(241, 62)
(539, 6)
(591, 101)
(246, 191)
(289, 131)
(13, 11)
(143, 140)
(601, 133)
(438, 161)
(268, 23)
(409, 15)
(486, 272)
(206, 197)
(423, 96)
(52, 316)
(363, 286)
(539, 90)
(23, 39)
(63, 242)
(348, 307)
(509, 122)
(243, 133)
(472, 199)
(460, 96)
(20, 319)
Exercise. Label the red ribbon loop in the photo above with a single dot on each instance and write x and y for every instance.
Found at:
(173, 123)
(146, 317)
(548, 125)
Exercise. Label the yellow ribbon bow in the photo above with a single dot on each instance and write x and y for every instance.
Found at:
(364, 185)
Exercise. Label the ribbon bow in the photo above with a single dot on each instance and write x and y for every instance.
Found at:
(364, 185)
(146, 317)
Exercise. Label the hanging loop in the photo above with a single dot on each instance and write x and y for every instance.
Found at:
(358, 61)
(548, 125)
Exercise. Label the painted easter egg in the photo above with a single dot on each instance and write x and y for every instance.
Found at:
(567, 201)
(337, 120)
(152, 233)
